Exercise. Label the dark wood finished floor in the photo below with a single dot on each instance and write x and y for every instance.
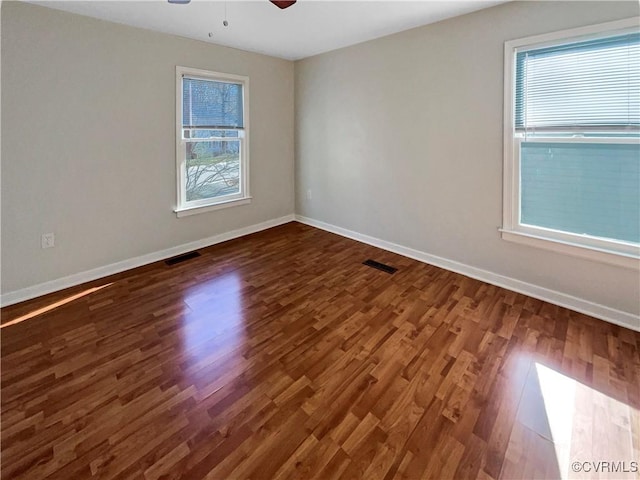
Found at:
(279, 355)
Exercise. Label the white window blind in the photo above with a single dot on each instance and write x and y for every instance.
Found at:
(583, 86)
(210, 104)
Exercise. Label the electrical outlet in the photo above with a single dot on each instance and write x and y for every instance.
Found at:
(309, 194)
(48, 240)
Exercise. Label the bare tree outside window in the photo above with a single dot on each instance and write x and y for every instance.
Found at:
(213, 169)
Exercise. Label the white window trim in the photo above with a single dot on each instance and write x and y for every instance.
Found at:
(184, 208)
(603, 250)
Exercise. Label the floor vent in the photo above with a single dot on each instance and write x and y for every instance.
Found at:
(182, 258)
(380, 266)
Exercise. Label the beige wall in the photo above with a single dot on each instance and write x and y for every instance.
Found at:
(88, 142)
(400, 139)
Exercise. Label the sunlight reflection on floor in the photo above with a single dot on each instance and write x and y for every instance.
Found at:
(590, 434)
(558, 394)
(215, 317)
(54, 305)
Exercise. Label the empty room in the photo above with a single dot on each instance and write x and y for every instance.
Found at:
(320, 239)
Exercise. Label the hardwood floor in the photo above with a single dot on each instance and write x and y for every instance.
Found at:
(279, 355)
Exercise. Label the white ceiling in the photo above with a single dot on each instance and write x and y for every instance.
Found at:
(307, 28)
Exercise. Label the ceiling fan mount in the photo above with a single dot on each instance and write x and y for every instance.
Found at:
(280, 4)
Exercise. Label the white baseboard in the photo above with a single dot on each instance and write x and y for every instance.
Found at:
(596, 310)
(16, 296)
(617, 317)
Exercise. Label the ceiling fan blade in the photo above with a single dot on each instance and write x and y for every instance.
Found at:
(282, 5)
(277, 3)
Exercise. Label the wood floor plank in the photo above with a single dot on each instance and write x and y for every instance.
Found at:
(280, 355)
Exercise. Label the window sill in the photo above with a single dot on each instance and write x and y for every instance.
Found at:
(187, 211)
(574, 249)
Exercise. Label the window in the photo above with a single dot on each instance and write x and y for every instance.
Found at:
(212, 140)
(572, 142)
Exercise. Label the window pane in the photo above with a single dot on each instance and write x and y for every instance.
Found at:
(583, 188)
(213, 169)
(207, 103)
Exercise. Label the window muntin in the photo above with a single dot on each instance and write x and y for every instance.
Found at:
(572, 144)
(212, 153)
